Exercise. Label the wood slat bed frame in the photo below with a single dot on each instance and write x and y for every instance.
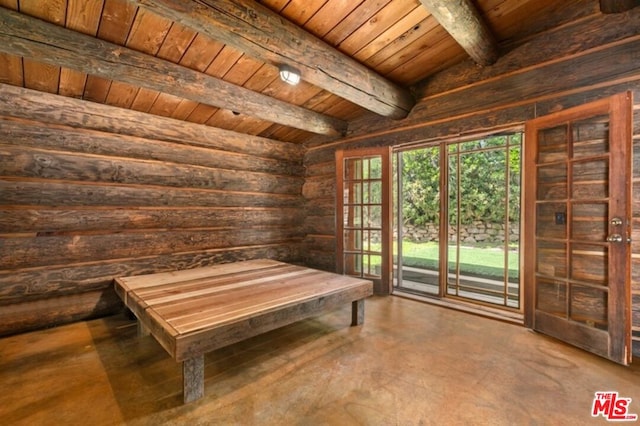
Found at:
(195, 311)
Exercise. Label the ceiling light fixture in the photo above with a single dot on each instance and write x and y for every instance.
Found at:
(289, 75)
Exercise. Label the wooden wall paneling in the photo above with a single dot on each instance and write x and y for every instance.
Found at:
(32, 284)
(30, 298)
(561, 43)
(83, 203)
(34, 164)
(47, 220)
(26, 104)
(514, 87)
(45, 250)
(42, 192)
(504, 18)
(20, 317)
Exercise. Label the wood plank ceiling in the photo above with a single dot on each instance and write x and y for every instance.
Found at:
(216, 62)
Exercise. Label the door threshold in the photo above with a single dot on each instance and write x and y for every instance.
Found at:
(484, 311)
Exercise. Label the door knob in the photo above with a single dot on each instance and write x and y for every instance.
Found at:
(614, 238)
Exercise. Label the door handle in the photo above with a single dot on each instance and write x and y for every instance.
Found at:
(614, 238)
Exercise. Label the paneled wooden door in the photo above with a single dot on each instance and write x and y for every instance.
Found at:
(578, 226)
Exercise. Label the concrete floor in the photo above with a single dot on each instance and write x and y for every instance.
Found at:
(409, 364)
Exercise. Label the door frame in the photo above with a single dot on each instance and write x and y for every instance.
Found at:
(383, 285)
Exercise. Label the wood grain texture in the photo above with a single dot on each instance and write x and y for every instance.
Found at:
(254, 29)
(27, 285)
(51, 109)
(196, 311)
(463, 21)
(92, 194)
(24, 36)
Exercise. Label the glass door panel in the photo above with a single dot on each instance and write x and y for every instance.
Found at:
(417, 266)
(364, 224)
(458, 216)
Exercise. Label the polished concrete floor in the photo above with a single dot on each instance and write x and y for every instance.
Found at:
(409, 364)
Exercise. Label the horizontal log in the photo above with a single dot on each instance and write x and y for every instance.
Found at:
(323, 225)
(33, 105)
(320, 260)
(24, 36)
(63, 138)
(617, 6)
(326, 169)
(321, 244)
(320, 206)
(55, 281)
(50, 193)
(508, 116)
(319, 188)
(257, 31)
(563, 41)
(321, 154)
(29, 252)
(552, 80)
(584, 71)
(61, 220)
(36, 163)
(32, 315)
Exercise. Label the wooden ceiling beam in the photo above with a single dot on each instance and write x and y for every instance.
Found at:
(617, 6)
(462, 21)
(248, 26)
(32, 38)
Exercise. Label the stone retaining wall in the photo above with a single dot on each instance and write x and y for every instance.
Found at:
(476, 232)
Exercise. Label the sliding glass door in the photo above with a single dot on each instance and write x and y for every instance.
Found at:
(458, 220)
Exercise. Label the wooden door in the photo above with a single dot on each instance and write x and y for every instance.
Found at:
(363, 225)
(578, 226)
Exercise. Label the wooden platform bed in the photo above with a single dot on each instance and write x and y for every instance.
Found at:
(195, 311)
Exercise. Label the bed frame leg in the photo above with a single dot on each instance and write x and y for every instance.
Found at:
(357, 312)
(142, 330)
(193, 378)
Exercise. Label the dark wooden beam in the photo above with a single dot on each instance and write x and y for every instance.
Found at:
(25, 36)
(461, 19)
(254, 29)
(617, 6)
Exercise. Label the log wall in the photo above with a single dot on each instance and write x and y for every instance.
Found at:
(590, 59)
(89, 192)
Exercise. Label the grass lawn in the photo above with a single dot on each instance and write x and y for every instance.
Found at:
(480, 261)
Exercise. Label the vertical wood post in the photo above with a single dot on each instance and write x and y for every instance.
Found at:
(357, 312)
(193, 378)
